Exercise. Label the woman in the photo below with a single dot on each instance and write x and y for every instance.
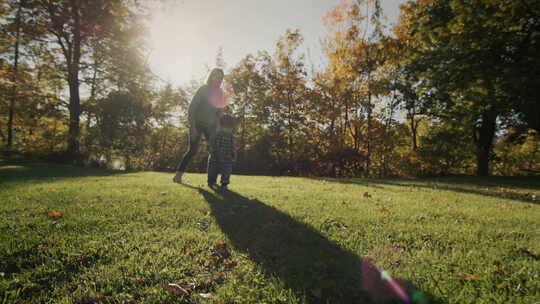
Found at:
(204, 111)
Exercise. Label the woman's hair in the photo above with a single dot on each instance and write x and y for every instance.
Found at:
(212, 73)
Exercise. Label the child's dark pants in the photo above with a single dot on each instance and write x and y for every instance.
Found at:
(216, 167)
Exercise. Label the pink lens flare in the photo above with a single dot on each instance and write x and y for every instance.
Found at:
(218, 98)
(381, 286)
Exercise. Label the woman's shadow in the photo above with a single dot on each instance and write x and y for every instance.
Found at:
(306, 262)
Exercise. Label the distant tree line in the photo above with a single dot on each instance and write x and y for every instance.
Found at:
(452, 88)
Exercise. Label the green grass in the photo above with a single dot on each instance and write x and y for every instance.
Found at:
(122, 236)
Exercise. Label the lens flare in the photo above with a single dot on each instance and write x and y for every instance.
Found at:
(381, 286)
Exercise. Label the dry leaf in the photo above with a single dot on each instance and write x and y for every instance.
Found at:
(176, 289)
(501, 285)
(367, 195)
(54, 213)
(189, 251)
(100, 298)
(468, 277)
(383, 209)
(483, 222)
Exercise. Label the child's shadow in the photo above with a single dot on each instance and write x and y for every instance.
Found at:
(304, 260)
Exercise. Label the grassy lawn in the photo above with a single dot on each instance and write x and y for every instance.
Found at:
(73, 235)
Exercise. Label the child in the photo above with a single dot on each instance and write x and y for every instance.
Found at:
(222, 153)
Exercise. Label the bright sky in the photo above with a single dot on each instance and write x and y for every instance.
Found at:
(187, 34)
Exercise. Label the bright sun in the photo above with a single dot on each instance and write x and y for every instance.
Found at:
(174, 40)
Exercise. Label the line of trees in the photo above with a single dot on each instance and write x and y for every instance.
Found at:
(452, 88)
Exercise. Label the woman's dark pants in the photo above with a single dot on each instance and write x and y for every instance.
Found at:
(194, 141)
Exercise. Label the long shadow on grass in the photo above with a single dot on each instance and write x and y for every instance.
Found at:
(498, 187)
(15, 172)
(305, 261)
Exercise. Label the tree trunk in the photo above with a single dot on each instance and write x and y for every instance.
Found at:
(484, 141)
(368, 141)
(414, 130)
(73, 80)
(242, 154)
(11, 113)
(74, 112)
(414, 138)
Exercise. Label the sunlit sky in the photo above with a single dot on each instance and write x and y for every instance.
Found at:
(187, 34)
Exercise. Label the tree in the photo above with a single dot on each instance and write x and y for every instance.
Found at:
(357, 53)
(467, 54)
(284, 74)
(250, 89)
(19, 32)
(123, 124)
(74, 25)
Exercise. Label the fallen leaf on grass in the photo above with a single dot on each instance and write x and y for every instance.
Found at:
(176, 289)
(468, 277)
(383, 209)
(54, 214)
(221, 248)
(483, 222)
(367, 195)
(189, 251)
(501, 285)
(100, 298)
(228, 263)
(219, 277)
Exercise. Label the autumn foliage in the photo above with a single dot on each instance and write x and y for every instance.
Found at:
(431, 96)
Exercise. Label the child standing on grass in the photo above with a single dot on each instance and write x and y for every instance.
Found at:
(222, 153)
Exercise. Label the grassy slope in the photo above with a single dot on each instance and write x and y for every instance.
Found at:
(121, 237)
